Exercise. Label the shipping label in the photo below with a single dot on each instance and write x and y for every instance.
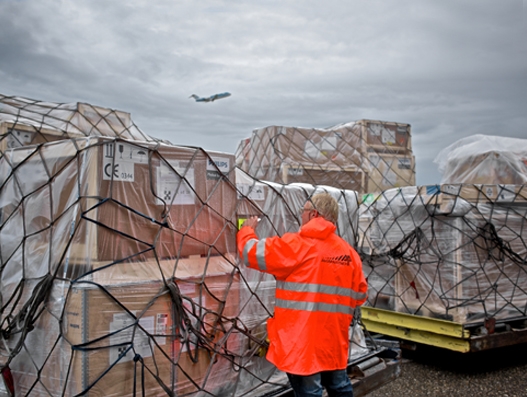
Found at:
(253, 192)
(119, 159)
(127, 334)
(19, 138)
(175, 183)
(161, 328)
(405, 164)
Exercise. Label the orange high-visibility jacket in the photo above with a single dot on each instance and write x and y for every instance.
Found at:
(319, 283)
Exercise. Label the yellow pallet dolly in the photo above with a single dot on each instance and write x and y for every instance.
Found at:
(440, 333)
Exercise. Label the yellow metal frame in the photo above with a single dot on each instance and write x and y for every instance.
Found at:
(431, 331)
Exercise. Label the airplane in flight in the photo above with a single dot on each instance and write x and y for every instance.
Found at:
(211, 98)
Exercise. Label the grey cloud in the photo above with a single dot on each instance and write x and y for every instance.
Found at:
(449, 68)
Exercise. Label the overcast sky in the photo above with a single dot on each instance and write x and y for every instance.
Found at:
(450, 68)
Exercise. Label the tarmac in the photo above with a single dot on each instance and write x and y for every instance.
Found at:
(435, 372)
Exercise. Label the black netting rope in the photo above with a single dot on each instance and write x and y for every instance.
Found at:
(19, 325)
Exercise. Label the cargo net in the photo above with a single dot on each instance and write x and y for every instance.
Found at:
(453, 251)
(119, 274)
(365, 156)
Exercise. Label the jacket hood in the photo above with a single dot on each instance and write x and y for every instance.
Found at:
(317, 228)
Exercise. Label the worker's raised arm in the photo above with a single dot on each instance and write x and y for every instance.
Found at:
(274, 255)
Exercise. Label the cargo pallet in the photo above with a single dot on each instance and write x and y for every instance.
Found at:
(465, 338)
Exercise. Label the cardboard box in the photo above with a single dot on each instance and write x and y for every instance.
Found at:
(209, 363)
(386, 137)
(463, 266)
(97, 120)
(111, 326)
(341, 146)
(78, 344)
(180, 188)
(444, 196)
(491, 166)
(338, 156)
(348, 178)
(210, 296)
(17, 134)
(390, 170)
(123, 198)
(81, 343)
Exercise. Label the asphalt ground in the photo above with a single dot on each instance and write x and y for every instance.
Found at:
(429, 371)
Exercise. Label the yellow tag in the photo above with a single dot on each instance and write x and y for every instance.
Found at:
(240, 222)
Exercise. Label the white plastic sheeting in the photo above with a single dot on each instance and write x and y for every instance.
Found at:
(484, 159)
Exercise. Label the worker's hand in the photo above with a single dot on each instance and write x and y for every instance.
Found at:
(251, 222)
(262, 350)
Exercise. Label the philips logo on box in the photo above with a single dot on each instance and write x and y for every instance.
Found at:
(217, 166)
(215, 163)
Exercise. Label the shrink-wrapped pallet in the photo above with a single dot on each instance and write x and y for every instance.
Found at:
(484, 159)
(455, 252)
(365, 156)
(118, 266)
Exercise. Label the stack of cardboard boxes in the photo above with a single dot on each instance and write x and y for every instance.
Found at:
(27, 122)
(484, 159)
(455, 252)
(138, 238)
(365, 156)
(124, 221)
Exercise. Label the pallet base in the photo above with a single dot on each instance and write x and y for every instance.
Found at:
(435, 332)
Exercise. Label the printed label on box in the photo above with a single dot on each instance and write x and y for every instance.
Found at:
(217, 167)
(490, 191)
(119, 161)
(161, 328)
(126, 334)
(452, 189)
(507, 193)
(432, 190)
(388, 137)
(405, 164)
(321, 150)
(253, 192)
(375, 129)
(175, 183)
(294, 171)
(19, 138)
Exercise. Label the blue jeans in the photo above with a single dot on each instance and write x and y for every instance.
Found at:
(336, 383)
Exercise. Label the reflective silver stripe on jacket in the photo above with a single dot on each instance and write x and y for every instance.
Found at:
(325, 289)
(246, 250)
(314, 306)
(260, 253)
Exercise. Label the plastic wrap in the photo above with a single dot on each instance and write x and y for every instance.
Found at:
(455, 252)
(119, 272)
(28, 122)
(365, 156)
(144, 236)
(484, 159)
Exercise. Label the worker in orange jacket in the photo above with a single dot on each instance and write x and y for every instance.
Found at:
(319, 283)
